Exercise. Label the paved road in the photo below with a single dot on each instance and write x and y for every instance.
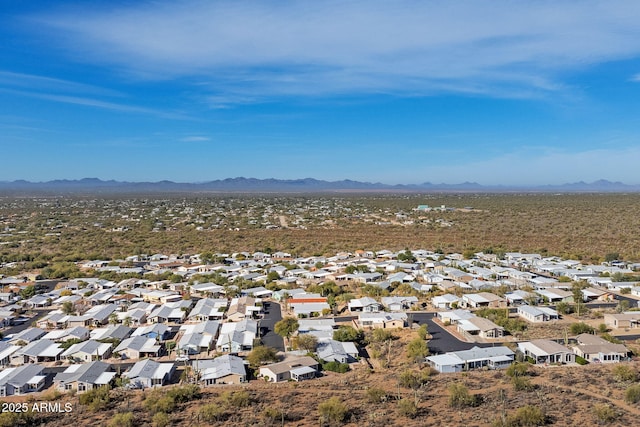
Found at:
(273, 314)
(442, 341)
(12, 330)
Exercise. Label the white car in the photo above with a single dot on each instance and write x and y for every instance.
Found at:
(183, 358)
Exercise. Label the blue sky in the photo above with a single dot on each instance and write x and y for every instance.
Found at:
(495, 92)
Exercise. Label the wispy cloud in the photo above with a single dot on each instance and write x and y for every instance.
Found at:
(91, 102)
(636, 78)
(195, 139)
(253, 49)
(37, 82)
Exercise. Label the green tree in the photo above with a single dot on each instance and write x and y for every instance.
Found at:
(307, 342)
(261, 355)
(348, 334)
(286, 327)
(417, 350)
(67, 308)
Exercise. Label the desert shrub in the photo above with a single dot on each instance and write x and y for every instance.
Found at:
(459, 396)
(624, 373)
(417, 350)
(522, 383)
(96, 399)
(414, 379)
(581, 360)
(160, 420)
(423, 333)
(518, 369)
(185, 393)
(211, 413)
(158, 402)
(332, 410)
(407, 408)
(581, 328)
(273, 414)
(236, 399)
(527, 416)
(382, 335)
(336, 367)
(376, 395)
(632, 394)
(122, 419)
(604, 413)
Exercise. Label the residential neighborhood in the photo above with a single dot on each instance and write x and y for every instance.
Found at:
(212, 316)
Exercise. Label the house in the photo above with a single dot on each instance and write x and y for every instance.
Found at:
(243, 307)
(537, 314)
(88, 351)
(337, 351)
(60, 335)
(595, 349)
(149, 373)
(546, 351)
(22, 380)
(446, 301)
(480, 326)
(308, 305)
(365, 304)
(482, 300)
(37, 352)
(226, 369)
(398, 303)
(6, 350)
(520, 297)
(454, 316)
(476, 358)
(296, 369)
(111, 332)
(156, 331)
(623, 320)
(208, 309)
(554, 295)
(139, 347)
(27, 336)
(175, 312)
(237, 336)
(83, 377)
(381, 320)
(595, 294)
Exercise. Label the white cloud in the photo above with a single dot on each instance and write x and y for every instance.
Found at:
(264, 48)
(195, 139)
(636, 78)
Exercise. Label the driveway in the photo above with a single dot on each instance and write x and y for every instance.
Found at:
(272, 315)
(441, 340)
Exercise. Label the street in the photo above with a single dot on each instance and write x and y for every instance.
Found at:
(273, 314)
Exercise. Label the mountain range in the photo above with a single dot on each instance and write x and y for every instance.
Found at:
(271, 185)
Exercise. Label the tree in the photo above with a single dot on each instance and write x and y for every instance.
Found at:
(261, 354)
(28, 292)
(347, 334)
(417, 350)
(67, 308)
(113, 318)
(307, 342)
(286, 327)
(332, 410)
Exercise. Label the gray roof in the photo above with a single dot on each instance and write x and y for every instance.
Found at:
(29, 335)
(19, 376)
(85, 372)
(221, 367)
